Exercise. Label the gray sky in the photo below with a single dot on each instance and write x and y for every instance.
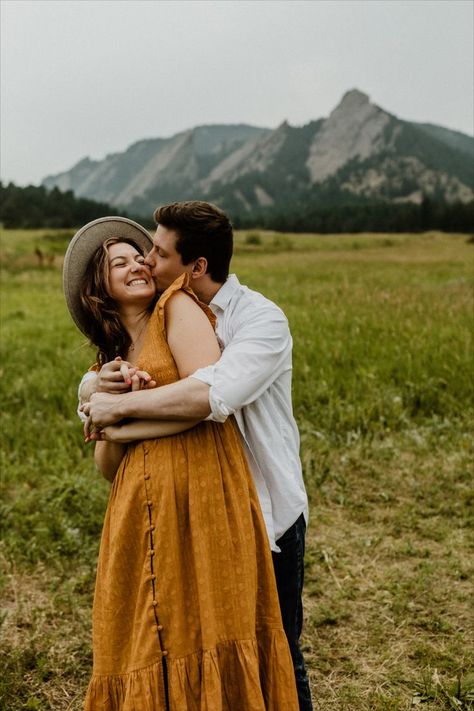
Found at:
(90, 77)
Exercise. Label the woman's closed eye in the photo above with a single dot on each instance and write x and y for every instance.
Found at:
(140, 261)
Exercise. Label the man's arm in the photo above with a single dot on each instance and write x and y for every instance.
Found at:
(258, 353)
(117, 376)
(193, 344)
(87, 386)
(187, 399)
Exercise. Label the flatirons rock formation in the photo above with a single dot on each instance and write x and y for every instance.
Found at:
(355, 129)
(360, 152)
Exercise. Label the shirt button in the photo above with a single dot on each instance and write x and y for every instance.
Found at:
(164, 653)
(149, 503)
(154, 603)
(151, 553)
(152, 577)
(159, 627)
(147, 476)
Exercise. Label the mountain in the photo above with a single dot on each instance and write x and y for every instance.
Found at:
(158, 165)
(359, 154)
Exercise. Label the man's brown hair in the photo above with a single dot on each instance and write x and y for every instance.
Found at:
(203, 230)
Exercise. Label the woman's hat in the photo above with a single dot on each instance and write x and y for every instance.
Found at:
(81, 249)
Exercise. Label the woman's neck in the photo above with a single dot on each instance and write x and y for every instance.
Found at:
(134, 320)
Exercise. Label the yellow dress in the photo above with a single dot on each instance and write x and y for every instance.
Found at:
(186, 614)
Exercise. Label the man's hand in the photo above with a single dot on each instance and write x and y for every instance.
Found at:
(118, 376)
(103, 409)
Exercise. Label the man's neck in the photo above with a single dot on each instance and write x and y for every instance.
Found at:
(205, 291)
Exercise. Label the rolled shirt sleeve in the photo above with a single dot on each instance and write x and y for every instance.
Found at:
(87, 376)
(252, 360)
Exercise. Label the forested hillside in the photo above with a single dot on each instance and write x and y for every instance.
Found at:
(38, 207)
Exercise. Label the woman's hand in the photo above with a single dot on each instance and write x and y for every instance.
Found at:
(119, 376)
(120, 434)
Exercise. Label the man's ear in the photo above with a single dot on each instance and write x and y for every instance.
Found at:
(199, 267)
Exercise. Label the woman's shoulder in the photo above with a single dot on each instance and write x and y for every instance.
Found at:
(179, 284)
(179, 298)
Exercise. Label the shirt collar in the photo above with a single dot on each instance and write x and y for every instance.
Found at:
(225, 293)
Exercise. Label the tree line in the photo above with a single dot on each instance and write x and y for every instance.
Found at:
(380, 216)
(37, 207)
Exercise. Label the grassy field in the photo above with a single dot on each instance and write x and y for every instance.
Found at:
(383, 382)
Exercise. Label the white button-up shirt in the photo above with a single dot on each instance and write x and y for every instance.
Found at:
(252, 381)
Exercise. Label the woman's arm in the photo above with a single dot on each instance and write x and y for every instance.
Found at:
(109, 450)
(194, 345)
(190, 335)
(137, 430)
(108, 456)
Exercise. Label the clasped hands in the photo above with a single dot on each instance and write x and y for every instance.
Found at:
(116, 377)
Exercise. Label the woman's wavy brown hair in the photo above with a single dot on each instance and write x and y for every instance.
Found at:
(104, 327)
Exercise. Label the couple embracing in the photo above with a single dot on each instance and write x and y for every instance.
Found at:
(198, 593)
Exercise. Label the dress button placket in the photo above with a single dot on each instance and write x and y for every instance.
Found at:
(156, 627)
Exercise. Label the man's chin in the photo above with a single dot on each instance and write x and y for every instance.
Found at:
(161, 286)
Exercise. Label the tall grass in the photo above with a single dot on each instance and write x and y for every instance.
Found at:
(383, 395)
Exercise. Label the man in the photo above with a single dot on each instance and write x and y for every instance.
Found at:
(252, 380)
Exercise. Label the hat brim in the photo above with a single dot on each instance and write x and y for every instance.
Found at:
(81, 249)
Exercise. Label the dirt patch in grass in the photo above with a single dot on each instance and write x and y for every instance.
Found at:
(388, 583)
(45, 644)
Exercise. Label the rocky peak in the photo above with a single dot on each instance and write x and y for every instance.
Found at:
(352, 101)
(353, 130)
(353, 109)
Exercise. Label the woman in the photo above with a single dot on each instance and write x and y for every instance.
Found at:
(186, 613)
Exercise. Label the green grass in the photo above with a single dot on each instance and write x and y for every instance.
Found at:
(383, 395)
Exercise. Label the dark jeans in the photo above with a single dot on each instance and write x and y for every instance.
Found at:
(289, 572)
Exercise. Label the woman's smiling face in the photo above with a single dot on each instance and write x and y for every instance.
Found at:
(129, 279)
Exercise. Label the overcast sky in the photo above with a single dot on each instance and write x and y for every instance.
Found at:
(90, 77)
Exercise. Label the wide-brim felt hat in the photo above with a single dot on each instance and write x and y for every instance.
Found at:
(82, 247)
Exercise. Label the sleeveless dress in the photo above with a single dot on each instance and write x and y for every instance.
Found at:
(186, 614)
